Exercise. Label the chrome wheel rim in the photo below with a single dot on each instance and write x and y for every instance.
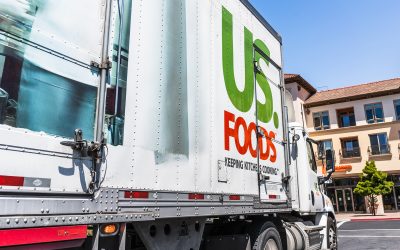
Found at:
(271, 245)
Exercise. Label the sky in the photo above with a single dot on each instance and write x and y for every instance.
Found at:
(337, 43)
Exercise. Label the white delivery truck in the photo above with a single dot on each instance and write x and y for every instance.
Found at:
(152, 124)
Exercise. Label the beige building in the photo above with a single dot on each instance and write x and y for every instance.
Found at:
(361, 123)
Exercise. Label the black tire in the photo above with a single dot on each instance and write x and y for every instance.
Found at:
(268, 238)
(331, 233)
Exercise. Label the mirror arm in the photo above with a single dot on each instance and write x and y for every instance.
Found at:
(323, 179)
(313, 141)
(328, 176)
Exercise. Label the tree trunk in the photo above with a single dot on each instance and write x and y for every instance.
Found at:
(373, 205)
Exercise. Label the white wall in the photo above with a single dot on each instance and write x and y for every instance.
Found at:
(298, 100)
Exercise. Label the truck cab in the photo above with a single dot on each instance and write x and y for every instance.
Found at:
(307, 182)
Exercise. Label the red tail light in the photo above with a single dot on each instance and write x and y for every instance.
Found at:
(196, 197)
(234, 197)
(136, 195)
(11, 180)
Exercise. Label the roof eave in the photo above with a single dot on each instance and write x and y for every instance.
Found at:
(302, 82)
(311, 104)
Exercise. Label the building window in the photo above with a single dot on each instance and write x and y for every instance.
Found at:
(374, 113)
(346, 117)
(379, 144)
(321, 120)
(397, 109)
(327, 144)
(350, 147)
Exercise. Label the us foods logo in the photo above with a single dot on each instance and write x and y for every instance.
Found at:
(243, 100)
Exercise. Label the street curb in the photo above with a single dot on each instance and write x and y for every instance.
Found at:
(374, 219)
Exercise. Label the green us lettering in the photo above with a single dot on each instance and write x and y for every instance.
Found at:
(243, 100)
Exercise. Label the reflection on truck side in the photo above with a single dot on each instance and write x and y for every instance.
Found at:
(42, 91)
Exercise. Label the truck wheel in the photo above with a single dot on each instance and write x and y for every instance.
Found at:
(331, 233)
(268, 239)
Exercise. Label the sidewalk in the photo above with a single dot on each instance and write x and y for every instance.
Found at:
(368, 217)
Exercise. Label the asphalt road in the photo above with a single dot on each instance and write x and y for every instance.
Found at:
(369, 235)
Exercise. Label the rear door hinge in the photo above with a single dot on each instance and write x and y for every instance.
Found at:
(103, 65)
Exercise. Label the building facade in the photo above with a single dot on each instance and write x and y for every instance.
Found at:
(301, 90)
(360, 123)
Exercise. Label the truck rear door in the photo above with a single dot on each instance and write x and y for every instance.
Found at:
(48, 89)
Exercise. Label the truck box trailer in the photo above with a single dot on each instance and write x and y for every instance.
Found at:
(161, 124)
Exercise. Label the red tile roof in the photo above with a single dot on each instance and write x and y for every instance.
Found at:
(288, 76)
(356, 92)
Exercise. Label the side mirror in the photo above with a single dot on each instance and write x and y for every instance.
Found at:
(329, 165)
(330, 161)
(321, 152)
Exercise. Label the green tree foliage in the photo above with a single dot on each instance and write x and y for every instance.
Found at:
(373, 183)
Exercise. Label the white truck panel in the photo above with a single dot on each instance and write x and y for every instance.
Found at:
(54, 92)
(177, 98)
(37, 156)
(180, 130)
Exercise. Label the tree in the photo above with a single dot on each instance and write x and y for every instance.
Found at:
(373, 183)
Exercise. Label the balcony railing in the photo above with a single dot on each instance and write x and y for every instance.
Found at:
(350, 153)
(383, 149)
